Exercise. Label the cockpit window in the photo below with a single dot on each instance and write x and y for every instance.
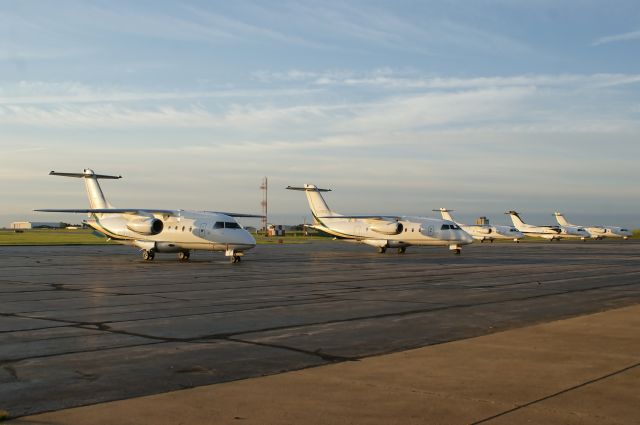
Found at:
(445, 227)
(231, 225)
(218, 225)
(624, 230)
(513, 229)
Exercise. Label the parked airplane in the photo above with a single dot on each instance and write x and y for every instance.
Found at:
(571, 231)
(547, 232)
(155, 230)
(383, 231)
(597, 232)
(485, 232)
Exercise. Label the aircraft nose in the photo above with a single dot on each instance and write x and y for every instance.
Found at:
(464, 237)
(248, 239)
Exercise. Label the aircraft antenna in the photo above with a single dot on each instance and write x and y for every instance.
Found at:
(264, 187)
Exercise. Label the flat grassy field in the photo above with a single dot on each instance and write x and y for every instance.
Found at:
(51, 237)
(87, 237)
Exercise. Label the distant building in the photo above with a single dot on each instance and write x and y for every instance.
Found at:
(276, 230)
(36, 225)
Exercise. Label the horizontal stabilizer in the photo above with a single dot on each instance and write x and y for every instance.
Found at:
(308, 189)
(81, 175)
(112, 211)
(364, 217)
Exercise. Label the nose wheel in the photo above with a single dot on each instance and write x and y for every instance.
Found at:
(235, 259)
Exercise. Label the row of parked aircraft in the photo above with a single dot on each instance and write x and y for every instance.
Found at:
(179, 231)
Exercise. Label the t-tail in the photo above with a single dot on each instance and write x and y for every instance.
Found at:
(515, 218)
(446, 214)
(318, 205)
(561, 220)
(94, 192)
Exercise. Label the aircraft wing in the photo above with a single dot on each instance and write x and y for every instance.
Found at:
(365, 217)
(112, 211)
(232, 214)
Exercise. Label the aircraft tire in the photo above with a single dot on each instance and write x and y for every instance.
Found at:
(148, 254)
(184, 255)
(457, 251)
(382, 250)
(402, 250)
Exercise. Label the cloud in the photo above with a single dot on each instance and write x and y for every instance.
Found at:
(69, 92)
(627, 36)
(302, 104)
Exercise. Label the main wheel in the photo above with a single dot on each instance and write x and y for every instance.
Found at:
(457, 251)
(148, 255)
(236, 259)
(402, 250)
(382, 250)
(183, 255)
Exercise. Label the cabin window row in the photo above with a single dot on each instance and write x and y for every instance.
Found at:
(216, 225)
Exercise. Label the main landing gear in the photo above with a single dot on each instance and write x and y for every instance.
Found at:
(148, 254)
(382, 249)
(184, 255)
(402, 250)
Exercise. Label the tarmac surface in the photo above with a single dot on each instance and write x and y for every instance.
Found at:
(83, 325)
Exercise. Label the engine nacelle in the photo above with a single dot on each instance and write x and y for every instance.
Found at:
(387, 228)
(145, 226)
(484, 230)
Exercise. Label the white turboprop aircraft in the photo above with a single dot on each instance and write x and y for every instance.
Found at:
(154, 230)
(485, 232)
(597, 232)
(547, 232)
(383, 231)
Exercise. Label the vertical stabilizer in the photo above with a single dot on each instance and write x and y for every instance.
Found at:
(446, 214)
(561, 220)
(318, 205)
(515, 218)
(94, 192)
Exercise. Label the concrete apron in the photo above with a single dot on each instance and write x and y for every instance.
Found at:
(577, 371)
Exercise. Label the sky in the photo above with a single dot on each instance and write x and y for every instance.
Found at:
(400, 107)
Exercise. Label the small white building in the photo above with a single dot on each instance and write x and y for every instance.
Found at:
(275, 230)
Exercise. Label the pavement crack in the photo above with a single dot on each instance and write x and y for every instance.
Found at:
(317, 353)
(556, 394)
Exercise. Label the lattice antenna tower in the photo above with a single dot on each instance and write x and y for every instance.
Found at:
(264, 187)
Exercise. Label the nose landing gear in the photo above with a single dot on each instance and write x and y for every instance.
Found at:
(148, 254)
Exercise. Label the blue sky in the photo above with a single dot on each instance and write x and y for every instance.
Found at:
(399, 106)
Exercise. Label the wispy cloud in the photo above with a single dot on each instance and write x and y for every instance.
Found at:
(627, 36)
(521, 103)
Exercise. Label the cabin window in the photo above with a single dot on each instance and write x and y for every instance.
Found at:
(413, 230)
(183, 228)
(218, 225)
(190, 228)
